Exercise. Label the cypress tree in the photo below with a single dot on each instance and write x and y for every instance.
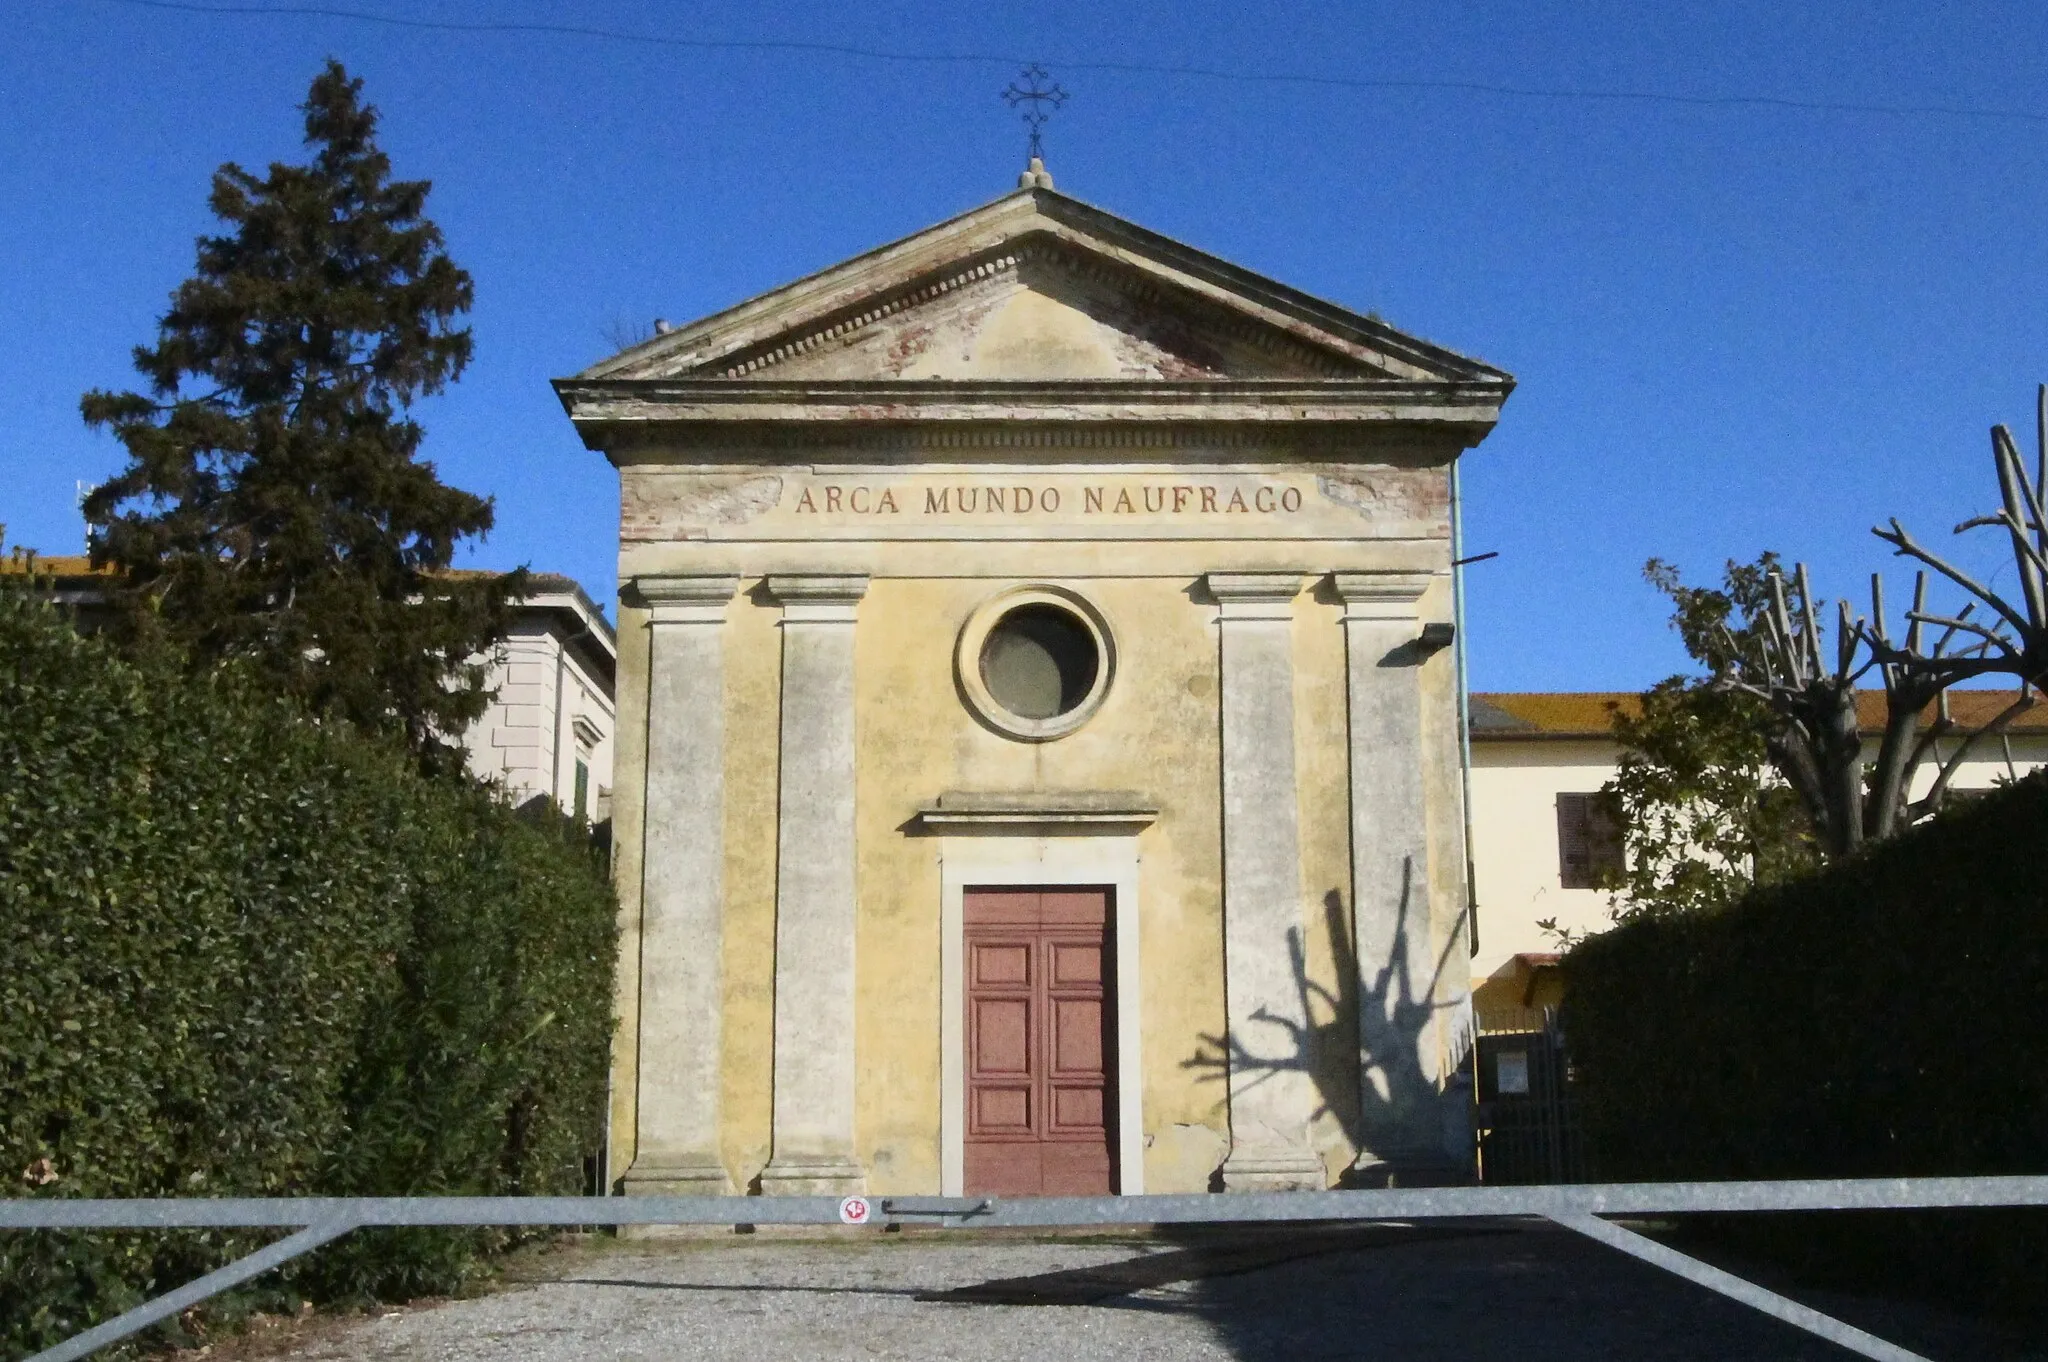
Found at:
(275, 512)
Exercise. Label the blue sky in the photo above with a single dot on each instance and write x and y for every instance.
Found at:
(1734, 326)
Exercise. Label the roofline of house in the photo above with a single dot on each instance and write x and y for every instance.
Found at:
(75, 582)
(590, 632)
(1545, 729)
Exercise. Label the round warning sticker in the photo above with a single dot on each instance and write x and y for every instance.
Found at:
(855, 1210)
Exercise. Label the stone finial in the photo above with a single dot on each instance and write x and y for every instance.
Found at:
(1035, 176)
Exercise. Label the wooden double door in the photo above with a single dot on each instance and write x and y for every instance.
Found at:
(1041, 1026)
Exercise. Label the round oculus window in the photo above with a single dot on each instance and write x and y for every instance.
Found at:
(1039, 662)
(1035, 662)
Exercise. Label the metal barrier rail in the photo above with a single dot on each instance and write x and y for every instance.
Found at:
(1576, 1207)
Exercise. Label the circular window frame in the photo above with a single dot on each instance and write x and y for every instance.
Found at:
(974, 637)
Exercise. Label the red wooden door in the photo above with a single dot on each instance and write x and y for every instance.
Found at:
(1041, 1009)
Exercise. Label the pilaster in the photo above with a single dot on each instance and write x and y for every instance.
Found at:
(1401, 1118)
(1272, 1091)
(813, 1150)
(682, 891)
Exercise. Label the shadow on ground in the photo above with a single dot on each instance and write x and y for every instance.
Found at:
(1504, 1289)
(1226, 1253)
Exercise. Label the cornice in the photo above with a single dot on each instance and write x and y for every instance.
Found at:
(1106, 813)
(805, 302)
(741, 445)
(1269, 334)
(1016, 389)
(802, 342)
(606, 409)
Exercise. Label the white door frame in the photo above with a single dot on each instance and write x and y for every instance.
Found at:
(978, 851)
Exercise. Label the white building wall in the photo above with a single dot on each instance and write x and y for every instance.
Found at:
(1514, 843)
(1515, 785)
(550, 712)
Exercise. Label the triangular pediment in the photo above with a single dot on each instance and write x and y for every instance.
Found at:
(1038, 287)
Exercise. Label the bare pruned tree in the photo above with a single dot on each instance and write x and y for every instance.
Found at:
(621, 333)
(1809, 687)
(1817, 741)
(1915, 677)
(2013, 640)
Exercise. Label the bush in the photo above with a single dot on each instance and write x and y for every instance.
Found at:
(1879, 1018)
(243, 953)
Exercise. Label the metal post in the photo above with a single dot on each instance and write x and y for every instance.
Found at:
(192, 1293)
(1749, 1293)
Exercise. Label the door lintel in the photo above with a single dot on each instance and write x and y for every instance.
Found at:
(1036, 813)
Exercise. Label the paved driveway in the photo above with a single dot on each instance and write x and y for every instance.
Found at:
(1423, 1294)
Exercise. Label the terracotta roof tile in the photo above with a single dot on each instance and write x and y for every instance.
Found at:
(1548, 714)
(1509, 715)
(22, 562)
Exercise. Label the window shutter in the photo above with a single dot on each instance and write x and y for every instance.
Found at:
(1604, 860)
(1589, 843)
(1574, 841)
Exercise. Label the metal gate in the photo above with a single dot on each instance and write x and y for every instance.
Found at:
(1583, 1209)
(1528, 1114)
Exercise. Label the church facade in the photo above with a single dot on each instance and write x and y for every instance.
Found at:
(1037, 763)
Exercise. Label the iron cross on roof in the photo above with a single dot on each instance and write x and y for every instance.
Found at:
(1038, 100)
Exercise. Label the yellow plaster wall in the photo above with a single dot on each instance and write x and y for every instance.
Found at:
(753, 705)
(901, 701)
(1157, 734)
(1323, 800)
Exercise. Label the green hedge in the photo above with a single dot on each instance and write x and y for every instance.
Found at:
(1885, 1017)
(245, 954)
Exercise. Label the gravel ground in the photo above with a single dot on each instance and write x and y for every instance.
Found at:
(1366, 1292)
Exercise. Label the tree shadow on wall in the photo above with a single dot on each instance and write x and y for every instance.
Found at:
(1368, 1023)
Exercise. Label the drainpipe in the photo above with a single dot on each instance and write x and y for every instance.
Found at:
(1468, 1019)
(555, 774)
(1464, 706)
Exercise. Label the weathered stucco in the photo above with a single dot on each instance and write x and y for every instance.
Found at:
(1091, 408)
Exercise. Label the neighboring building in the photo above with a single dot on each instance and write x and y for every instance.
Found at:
(1541, 836)
(1038, 763)
(549, 728)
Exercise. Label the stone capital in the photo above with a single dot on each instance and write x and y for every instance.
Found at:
(687, 598)
(1391, 597)
(1254, 595)
(817, 598)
